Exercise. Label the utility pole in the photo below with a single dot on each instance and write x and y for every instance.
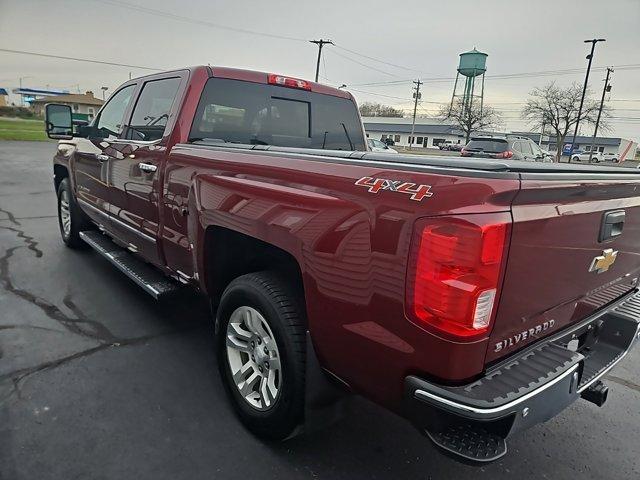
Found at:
(584, 91)
(22, 94)
(607, 88)
(321, 43)
(416, 96)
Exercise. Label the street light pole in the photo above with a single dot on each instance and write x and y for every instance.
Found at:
(606, 89)
(321, 43)
(584, 91)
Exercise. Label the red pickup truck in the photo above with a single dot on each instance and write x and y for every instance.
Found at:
(474, 297)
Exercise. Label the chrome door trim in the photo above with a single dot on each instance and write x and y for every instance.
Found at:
(116, 220)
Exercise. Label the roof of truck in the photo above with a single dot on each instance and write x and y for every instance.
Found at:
(257, 77)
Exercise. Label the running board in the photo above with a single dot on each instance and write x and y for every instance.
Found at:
(152, 280)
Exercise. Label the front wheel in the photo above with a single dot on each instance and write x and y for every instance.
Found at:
(71, 219)
(261, 353)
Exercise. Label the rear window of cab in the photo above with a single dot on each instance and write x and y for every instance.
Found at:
(259, 114)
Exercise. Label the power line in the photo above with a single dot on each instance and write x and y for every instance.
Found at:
(376, 59)
(363, 64)
(503, 76)
(76, 59)
(164, 14)
(195, 21)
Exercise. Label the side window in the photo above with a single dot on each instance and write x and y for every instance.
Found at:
(109, 124)
(526, 148)
(152, 110)
(536, 149)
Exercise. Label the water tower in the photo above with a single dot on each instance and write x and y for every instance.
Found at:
(472, 64)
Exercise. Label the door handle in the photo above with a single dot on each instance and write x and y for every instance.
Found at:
(612, 225)
(102, 158)
(147, 167)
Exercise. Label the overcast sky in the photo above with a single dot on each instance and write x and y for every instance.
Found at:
(413, 38)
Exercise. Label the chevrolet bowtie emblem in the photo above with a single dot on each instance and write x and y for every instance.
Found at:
(601, 263)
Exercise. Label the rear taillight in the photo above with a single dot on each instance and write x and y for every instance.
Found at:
(455, 273)
(288, 82)
(505, 154)
(464, 153)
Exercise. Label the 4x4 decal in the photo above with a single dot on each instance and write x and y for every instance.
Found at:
(417, 192)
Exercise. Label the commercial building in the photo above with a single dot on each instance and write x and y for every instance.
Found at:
(624, 148)
(83, 106)
(426, 135)
(429, 133)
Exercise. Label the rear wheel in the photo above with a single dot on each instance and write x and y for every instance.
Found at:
(70, 218)
(261, 353)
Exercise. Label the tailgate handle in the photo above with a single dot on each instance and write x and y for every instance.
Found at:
(612, 224)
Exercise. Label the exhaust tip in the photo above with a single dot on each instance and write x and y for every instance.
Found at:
(596, 393)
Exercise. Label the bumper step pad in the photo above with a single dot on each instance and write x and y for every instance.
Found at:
(152, 281)
(469, 441)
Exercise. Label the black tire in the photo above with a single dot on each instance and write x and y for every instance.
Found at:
(79, 220)
(277, 302)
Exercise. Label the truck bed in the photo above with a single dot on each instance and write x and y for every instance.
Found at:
(402, 161)
(353, 243)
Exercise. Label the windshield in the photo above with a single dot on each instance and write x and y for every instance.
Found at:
(254, 113)
(493, 145)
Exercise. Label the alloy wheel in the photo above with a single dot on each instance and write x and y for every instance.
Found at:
(65, 213)
(253, 357)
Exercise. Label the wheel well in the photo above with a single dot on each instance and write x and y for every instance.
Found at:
(229, 254)
(59, 172)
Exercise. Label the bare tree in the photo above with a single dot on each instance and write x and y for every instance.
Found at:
(557, 107)
(370, 109)
(469, 118)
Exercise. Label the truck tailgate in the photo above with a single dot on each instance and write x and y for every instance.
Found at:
(565, 260)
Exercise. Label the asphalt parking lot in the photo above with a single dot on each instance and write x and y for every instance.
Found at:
(98, 381)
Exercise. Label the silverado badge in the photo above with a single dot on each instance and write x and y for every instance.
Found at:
(601, 263)
(374, 185)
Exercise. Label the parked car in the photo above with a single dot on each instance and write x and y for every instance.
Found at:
(446, 145)
(516, 148)
(456, 147)
(611, 157)
(582, 156)
(378, 146)
(436, 287)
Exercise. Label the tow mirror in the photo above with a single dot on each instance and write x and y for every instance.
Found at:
(58, 121)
